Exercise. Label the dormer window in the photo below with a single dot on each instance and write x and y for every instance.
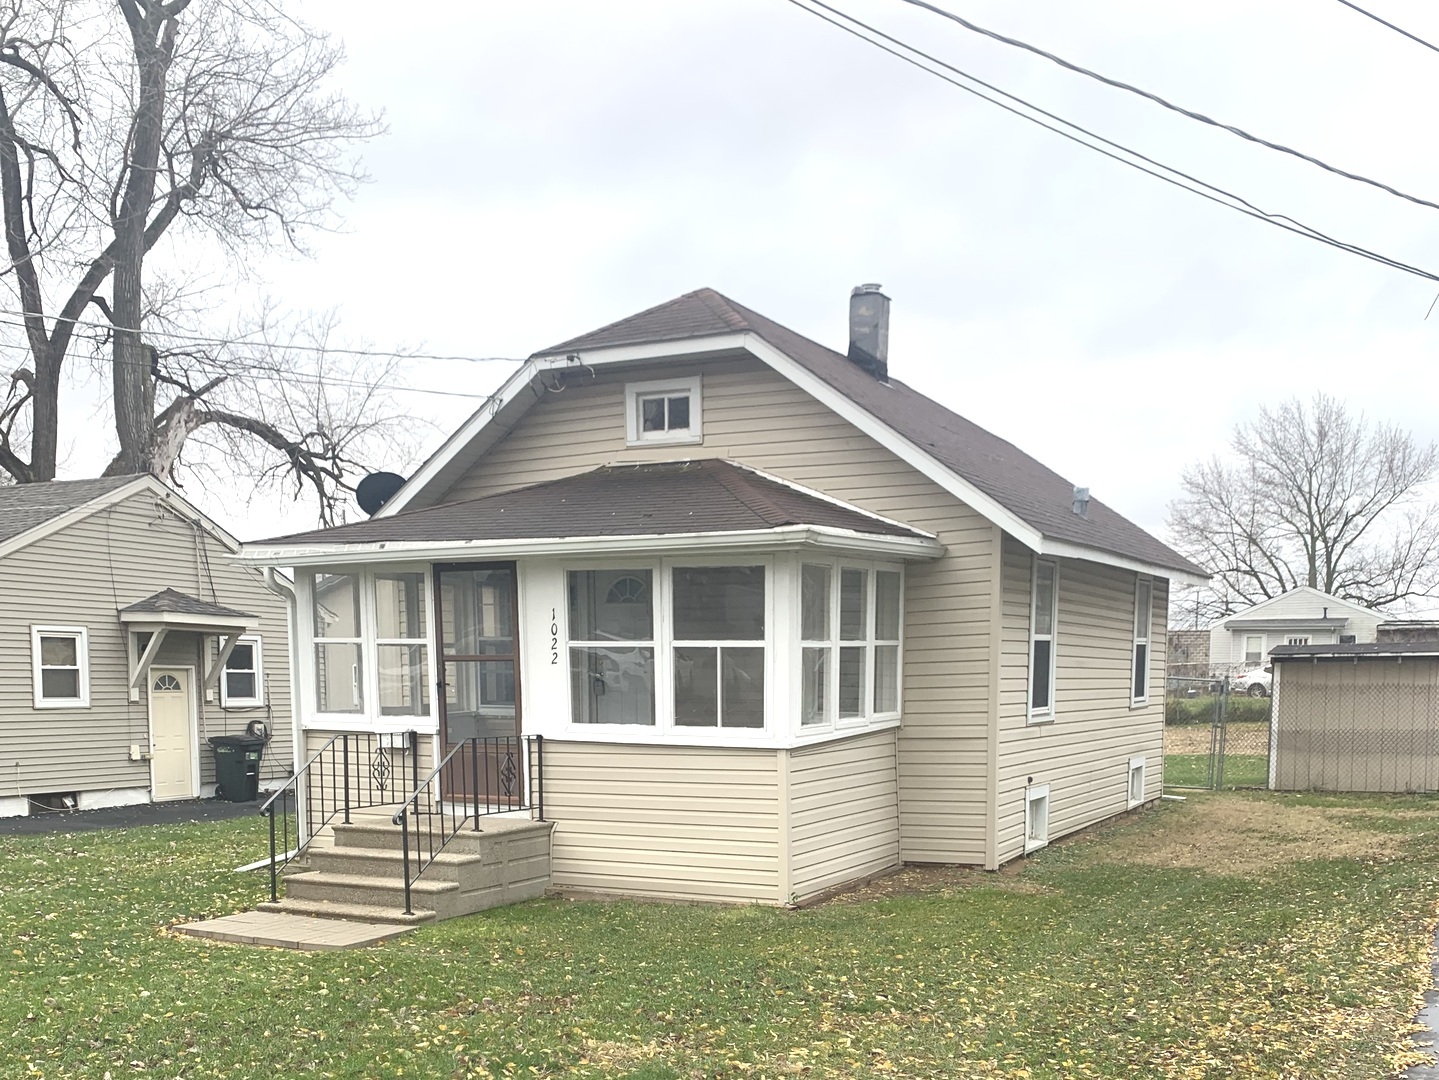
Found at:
(660, 413)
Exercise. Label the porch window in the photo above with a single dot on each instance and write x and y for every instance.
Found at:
(612, 647)
(852, 675)
(242, 684)
(719, 646)
(401, 644)
(1143, 620)
(60, 662)
(337, 644)
(1044, 616)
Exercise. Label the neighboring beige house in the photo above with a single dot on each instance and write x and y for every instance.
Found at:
(783, 622)
(131, 637)
(1302, 616)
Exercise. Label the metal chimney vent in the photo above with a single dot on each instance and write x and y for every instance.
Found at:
(869, 330)
(1081, 501)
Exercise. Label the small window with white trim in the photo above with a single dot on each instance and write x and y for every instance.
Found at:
(1044, 615)
(60, 660)
(1298, 641)
(243, 683)
(1036, 817)
(1253, 648)
(1136, 781)
(663, 412)
(1143, 620)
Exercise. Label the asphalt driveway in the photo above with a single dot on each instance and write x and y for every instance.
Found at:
(125, 817)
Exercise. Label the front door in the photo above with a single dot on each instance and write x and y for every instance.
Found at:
(172, 745)
(479, 679)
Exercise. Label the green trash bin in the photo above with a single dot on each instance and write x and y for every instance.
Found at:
(237, 766)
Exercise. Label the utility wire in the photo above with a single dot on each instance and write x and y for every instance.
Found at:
(1386, 22)
(1190, 113)
(1213, 194)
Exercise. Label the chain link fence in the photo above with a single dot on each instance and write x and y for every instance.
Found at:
(1214, 738)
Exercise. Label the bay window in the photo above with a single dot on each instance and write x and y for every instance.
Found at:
(849, 644)
(719, 646)
(612, 647)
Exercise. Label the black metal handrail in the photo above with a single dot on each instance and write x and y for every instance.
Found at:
(352, 771)
(459, 790)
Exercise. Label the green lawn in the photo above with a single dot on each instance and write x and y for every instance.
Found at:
(1232, 935)
(1240, 770)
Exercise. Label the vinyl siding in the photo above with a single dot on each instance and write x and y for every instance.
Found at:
(1366, 725)
(1083, 753)
(755, 417)
(678, 824)
(82, 576)
(843, 812)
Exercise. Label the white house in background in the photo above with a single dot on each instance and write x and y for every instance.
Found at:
(1302, 616)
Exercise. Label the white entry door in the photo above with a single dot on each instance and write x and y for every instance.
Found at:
(172, 738)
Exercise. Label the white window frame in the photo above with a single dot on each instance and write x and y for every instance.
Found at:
(371, 654)
(1143, 635)
(228, 701)
(81, 635)
(1045, 714)
(570, 643)
(869, 716)
(1036, 794)
(369, 718)
(1136, 768)
(1301, 640)
(1244, 655)
(635, 435)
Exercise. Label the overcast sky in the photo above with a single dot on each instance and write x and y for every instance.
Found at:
(552, 166)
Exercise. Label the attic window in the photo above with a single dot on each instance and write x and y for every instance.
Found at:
(663, 413)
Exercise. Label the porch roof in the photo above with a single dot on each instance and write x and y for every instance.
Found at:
(616, 503)
(172, 608)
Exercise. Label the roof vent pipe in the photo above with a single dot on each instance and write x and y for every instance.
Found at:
(869, 330)
(1081, 501)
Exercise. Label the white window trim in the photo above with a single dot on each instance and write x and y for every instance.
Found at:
(1046, 714)
(870, 719)
(370, 718)
(1142, 581)
(1136, 765)
(1033, 794)
(258, 701)
(81, 635)
(1244, 649)
(634, 433)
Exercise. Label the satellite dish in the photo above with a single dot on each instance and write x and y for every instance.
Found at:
(377, 489)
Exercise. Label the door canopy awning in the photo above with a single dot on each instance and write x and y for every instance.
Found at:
(170, 610)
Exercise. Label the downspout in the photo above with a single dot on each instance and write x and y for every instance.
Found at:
(285, 589)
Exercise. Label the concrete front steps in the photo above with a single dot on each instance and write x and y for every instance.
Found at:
(360, 876)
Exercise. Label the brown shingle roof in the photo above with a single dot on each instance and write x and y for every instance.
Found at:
(172, 602)
(1028, 489)
(615, 500)
(27, 506)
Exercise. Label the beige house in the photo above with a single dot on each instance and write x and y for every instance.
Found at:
(782, 622)
(131, 637)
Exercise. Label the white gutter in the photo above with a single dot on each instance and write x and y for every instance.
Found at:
(916, 547)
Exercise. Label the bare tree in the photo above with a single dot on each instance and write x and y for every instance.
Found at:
(1312, 495)
(137, 138)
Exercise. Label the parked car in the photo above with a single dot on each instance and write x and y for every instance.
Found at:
(1255, 683)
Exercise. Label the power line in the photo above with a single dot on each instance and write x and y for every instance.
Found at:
(1386, 22)
(1181, 110)
(201, 339)
(1214, 193)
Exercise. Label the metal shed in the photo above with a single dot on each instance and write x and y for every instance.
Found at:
(1356, 717)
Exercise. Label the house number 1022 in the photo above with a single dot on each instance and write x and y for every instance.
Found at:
(554, 637)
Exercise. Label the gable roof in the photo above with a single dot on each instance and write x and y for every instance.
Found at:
(27, 506)
(1321, 600)
(991, 474)
(661, 499)
(173, 602)
(31, 512)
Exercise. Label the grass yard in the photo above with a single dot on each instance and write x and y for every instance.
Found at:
(1232, 935)
(1246, 756)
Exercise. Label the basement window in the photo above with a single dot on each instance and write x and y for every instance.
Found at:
(1036, 817)
(1136, 781)
(663, 413)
